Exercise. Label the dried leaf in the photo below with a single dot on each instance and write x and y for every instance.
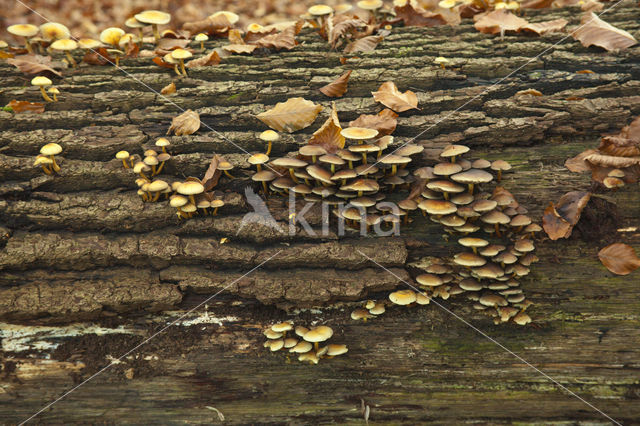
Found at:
(532, 92)
(365, 44)
(419, 18)
(558, 221)
(6, 55)
(290, 116)
(384, 122)
(578, 164)
(172, 43)
(98, 56)
(26, 106)
(286, 39)
(240, 48)
(251, 36)
(169, 89)
(207, 60)
(585, 72)
(389, 96)
(212, 175)
(328, 135)
(341, 26)
(235, 37)
(337, 87)
(218, 25)
(595, 31)
(554, 225)
(186, 123)
(619, 258)
(33, 64)
(498, 21)
(541, 28)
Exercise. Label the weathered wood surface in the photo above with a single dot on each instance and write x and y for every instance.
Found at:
(82, 246)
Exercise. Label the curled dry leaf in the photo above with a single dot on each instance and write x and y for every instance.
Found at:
(328, 135)
(212, 175)
(186, 123)
(389, 96)
(541, 28)
(337, 87)
(343, 26)
(619, 258)
(172, 43)
(413, 17)
(595, 31)
(207, 60)
(26, 106)
(498, 22)
(210, 25)
(285, 39)
(532, 92)
(558, 221)
(290, 116)
(33, 64)
(384, 122)
(235, 37)
(98, 56)
(169, 89)
(240, 48)
(364, 44)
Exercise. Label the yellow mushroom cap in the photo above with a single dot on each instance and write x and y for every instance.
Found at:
(111, 35)
(41, 81)
(447, 4)
(441, 60)
(282, 326)
(134, 23)
(309, 356)
(42, 160)
(181, 54)
(53, 90)
(201, 37)
(301, 347)
(3, 44)
(23, 30)
(178, 201)
(370, 4)
(231, 17)
(269, 136)
(335, 350)
(258, 158)
(126, 39)
(88, 43)
(153, 17)
(122, 155)
(343, 8)
(151, 161)
(254, 28)
(359, 133)
(51, 149)
(403, 297)
(65, 44)
(169, 59)
(190, 188)
(320, 10)
(318, 334)
(157, 186)
(163, 142)
(54, 31)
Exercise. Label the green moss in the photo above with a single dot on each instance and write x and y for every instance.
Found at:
(7, 109)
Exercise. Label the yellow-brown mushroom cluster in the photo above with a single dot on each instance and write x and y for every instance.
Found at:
(47, 158)
(371, 309)
(306, 343)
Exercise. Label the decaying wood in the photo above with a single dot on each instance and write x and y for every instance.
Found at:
(82, 246)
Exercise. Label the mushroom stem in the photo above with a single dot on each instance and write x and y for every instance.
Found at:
(184, 71)
(259, 167)
(497, 229)
(315, 345)
(350, 164)
(142, 175)
(269, 148)
(442, 66)
(44, 95)
(55, 97)
(394, 169)
(202, 45)
(124, 163)
(192, 198)
(131, 160)
(155, 197)
(180, 214)
(215, 211)
(499, 175)
(54, 166)
(293, 177)
(70, 59)
(117, 61)
(157, 172)
(175, 68)
(406, 219)
(471, 188)
(364, 158)
(156, 34)
(46, 169)
(360, 193)
(140, 36)
(153, 170)
(446, 195)
(264, 187)
(226, 172)
(313, 159)
(27, 44)
(453, 159)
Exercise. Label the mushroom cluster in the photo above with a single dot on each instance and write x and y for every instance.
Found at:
(371, 309)
(47, 158)
(353, 179)
(306, 343)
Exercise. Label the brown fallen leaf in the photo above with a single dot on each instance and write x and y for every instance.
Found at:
(337, 87)
(389, 96)
(33, 64)
(98, 56)
(207, 60)
(585, 72)
(384, 122)
(26, 106)
(498, 22)
(290, 116)
(172, 43)
(240, 48)
(365, 44)
(212, 175)
(328, 135)
(532, 92)
(596, 32)
(6, 55)
(413, 17)
(541, 28)
(169, 89)
(252, 36)
(558, 220)
(186, 123)
(285, 39)
(161, 63)
(211, 25)
(619, 258)
(235, 37)
(342, 26)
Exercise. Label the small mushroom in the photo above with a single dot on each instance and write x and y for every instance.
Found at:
(135, 24)
(111, 36)
(66, 46)
(361, 314)
(318, 334)
(54, 31)
(441, 60)
(140, 168)
(359, 134)
(258, 160)
(320, 12)
(51, 150)
(45, 162)
(42, 82)
(153, 18)
(500, 166)
(124, 156)
(201, 38)
(24, 30)
(225, 166)
(54, 92)
(403, 297)
(453, 151)
(118, 54)
(180, 55)
(190, 189)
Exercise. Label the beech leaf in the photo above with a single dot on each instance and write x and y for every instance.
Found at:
(595, 31)
(169, 89)
(26, 106)
(420, 18)
(240, 48)
(285, 39)
(328, 135)
(364, 44)
(207, 60)
(389, 96)
(619, 258)
(186, 123)
(290, 116)
(558, 221)
(337, 87)
(384, 122)
(33, 64)
(212, 175)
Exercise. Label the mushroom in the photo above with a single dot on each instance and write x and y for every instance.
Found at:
(312, 151)
(452, 151)
(472, 177)
(258, 160)
(372, 6)
(291, 164)
(66, 46)
(170, 60)
(231, 17)
(263, 177)
(500, 166)
(111, 36)
(153, 18)
(335, 350)
(403, 297)
(522, 319)
(320, 12)
(282, 327)
(225, 166)
(42, 82)
(474, 243)
(178, 201)
(24, 30)
(118, 54)
(140, 168)
(124, 156)
(332, 160)
(181, 55)
(191, 189)
(318, 334)
(496, 218)
(359, 134)
(55, 92)
(202, 37)
(45, 162)
(349, 156)
(361, 314)
(215, 205)
(134, 23)
(441, 60)
(3, 45)
(394, 160)
(51, 150)
(156, 187)
(377, 309)
(163, 143)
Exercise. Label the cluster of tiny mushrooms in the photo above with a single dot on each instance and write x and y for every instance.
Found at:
(307, 343)
(360, 174)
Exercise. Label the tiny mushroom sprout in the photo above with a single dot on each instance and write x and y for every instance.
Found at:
(42, 82)
(359, 134)
(45, 162)
(320, 12)
(163, 143)
(111, 36)
(225, 166)
(500, 166)
(191, 189)
(263, 177)
(66, 46)
(50, 150)
(269, 136)
(24, 30)
(124, 156)
(54, 92)
(54, 31)
(318, 334)
(453, 151)
(153, 18)
(403, 297)
(201, 38)
(442, 61)
(180, 55)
